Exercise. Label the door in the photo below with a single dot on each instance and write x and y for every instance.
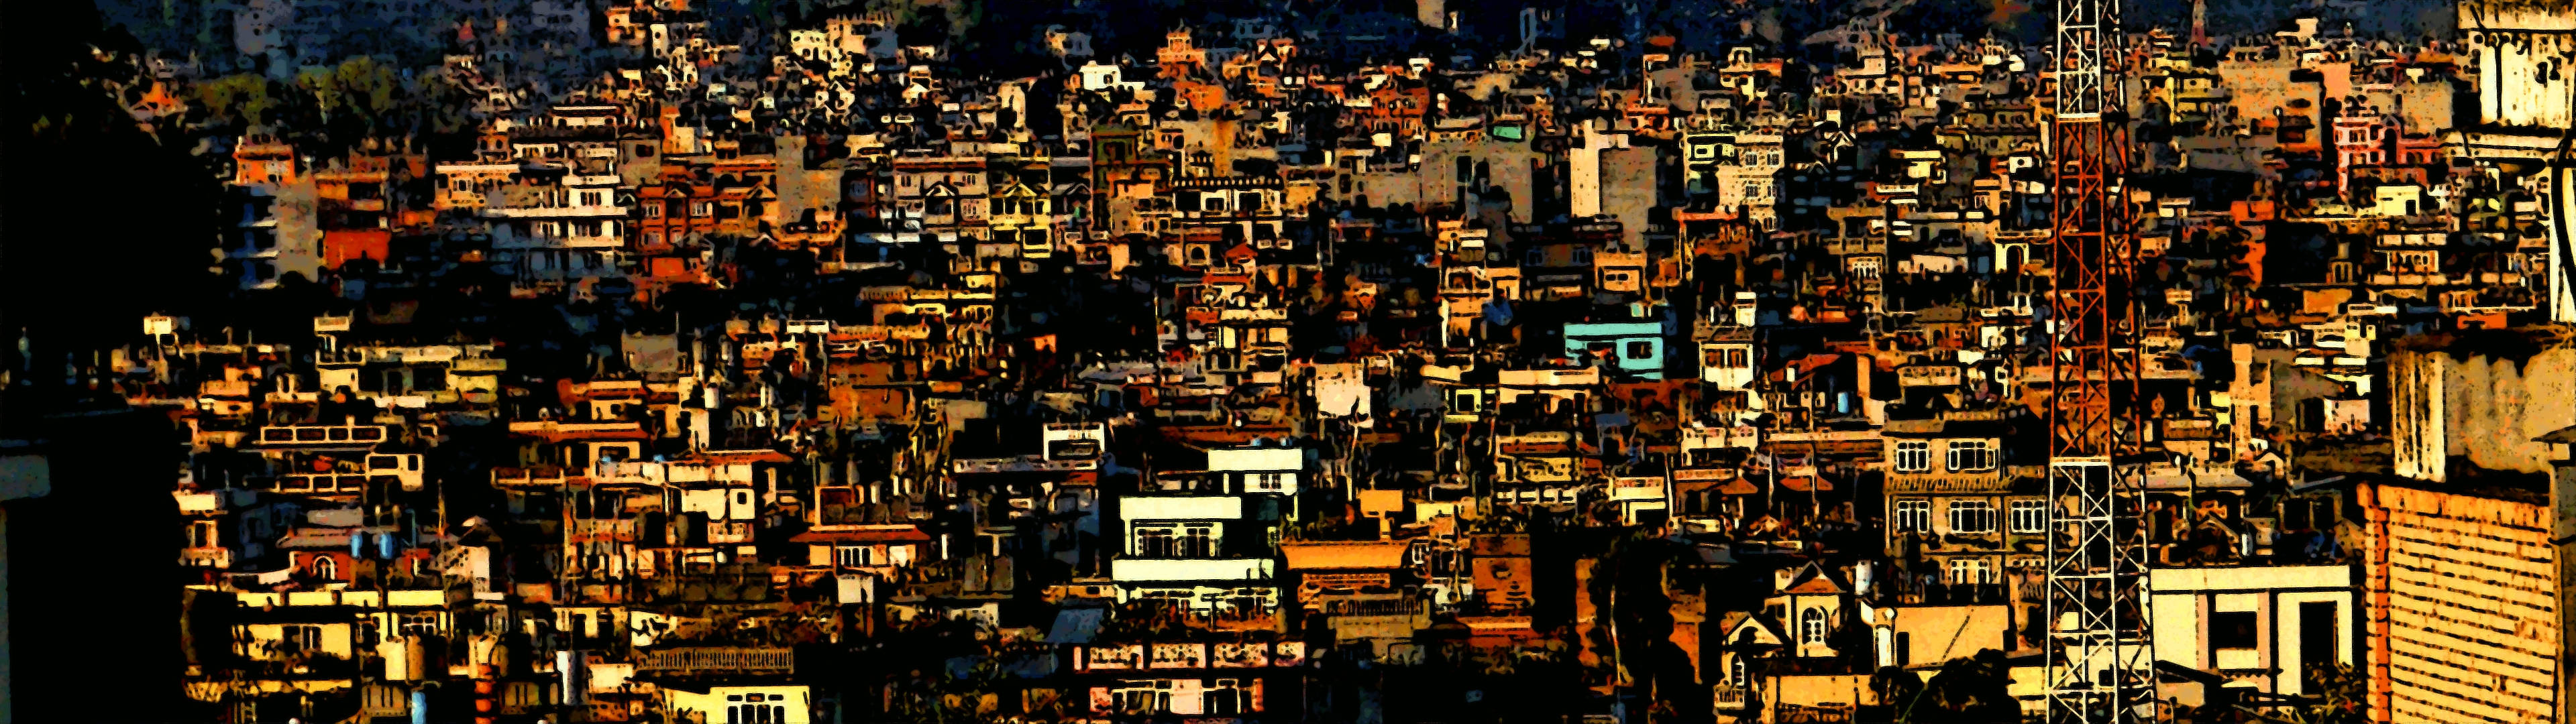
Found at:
(2318, 629)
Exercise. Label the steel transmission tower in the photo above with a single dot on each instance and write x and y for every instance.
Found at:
(2100, 658)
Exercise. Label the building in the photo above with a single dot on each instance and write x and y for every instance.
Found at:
(2464, 604)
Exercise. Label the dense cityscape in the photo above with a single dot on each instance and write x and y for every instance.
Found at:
(1569, 361)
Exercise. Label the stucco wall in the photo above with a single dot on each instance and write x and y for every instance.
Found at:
(2483, 406)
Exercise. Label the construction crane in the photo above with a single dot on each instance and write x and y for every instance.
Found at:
(2100, 659)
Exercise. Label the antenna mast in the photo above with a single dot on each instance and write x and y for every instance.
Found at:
(2100, 658)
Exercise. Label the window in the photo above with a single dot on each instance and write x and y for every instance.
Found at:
(1197, 540)
(1268, 482)
(1970, 571)
(419, 624)
(1641, 350)
(2232, 630)
(2308, 514)
(1971, 455)
(1154, 696)
(302, 637)
(1227, 697)
(1913, 456)
(2030, 516)
(1154, 541)
(201, 534)
(853, 556)
(325, 568)
(1912, 515)
(1811, 627)
(1972, 516)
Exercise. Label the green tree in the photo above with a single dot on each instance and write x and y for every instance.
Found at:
(359, 90)
(2343, 695)
(241, 98)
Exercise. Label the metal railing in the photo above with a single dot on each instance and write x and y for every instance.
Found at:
(717, 659)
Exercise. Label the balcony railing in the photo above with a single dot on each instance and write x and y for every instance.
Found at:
(206, 557)
(542, 475)
(1730, 696)
(323, 483)
(1948, 594)
(717, 660)
(726, 533)
(321, 436)
(1827, 713)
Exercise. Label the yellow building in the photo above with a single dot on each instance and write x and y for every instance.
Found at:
(762, 704)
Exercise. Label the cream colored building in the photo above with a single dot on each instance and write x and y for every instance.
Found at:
(763, 704)
(2261, 626)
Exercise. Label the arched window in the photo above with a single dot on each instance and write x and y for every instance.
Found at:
(324, 567)
(1811, 626)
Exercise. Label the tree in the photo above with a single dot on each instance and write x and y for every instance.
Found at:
(241, 98)
(1897, 689)
(1967, 690)
(2343, 695)
(358, 89)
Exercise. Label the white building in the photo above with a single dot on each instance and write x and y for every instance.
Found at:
(1211, 553)
(2261, 626)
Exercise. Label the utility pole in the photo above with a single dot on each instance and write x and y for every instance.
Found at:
(2099, 656)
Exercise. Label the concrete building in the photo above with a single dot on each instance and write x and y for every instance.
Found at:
(2262, 626)
(2518, 48)
(2480, 400)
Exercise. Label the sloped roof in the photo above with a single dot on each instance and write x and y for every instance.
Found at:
(1743, 628)
(1814, 579)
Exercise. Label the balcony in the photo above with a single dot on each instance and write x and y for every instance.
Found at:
(1825, 713)
(309, 667)
(1731, 697)
(321, 437)
(400, 598)
(1962, 594)
(539, 476)
(1175, 570)
(322, 483)
(725, 660)
(728, 532)
(206, 557)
